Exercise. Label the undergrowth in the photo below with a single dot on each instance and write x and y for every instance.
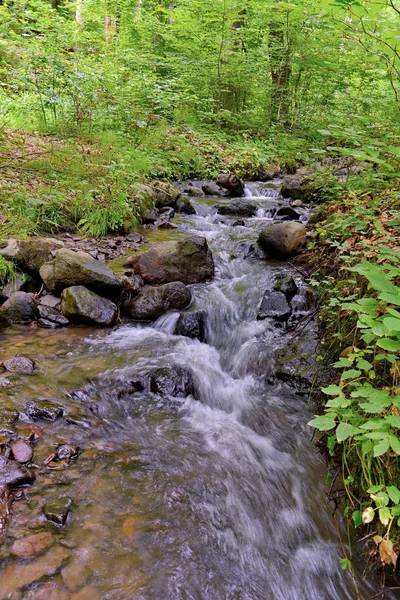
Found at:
(356, 255)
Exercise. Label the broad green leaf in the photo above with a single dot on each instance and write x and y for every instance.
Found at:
(392, 324)
(381, 447)
(380, 499)
(375, 488)
(344, 431)
(350, 374)
(332, 390)
(384, 516)
(393, 420)
(357, 518)
(324, 423)
(393, 493)
(388, 344)
(395, 443)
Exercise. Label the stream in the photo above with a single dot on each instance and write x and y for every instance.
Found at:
(217, 496)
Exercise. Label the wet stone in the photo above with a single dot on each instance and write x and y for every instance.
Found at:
(8, 416)
(32, 545)
(274, 306)
(192, 325)
(67, 452)
(4, 382)
(19, 364)
(21, 452)
(50, 411)
(56, 510)
(13, 475)
(17, 576)
(286, 285)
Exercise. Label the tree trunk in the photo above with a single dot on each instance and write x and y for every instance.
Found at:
(79, 13)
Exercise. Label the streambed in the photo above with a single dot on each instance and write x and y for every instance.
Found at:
(216, 496)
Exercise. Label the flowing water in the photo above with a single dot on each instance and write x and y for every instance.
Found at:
(218, 497)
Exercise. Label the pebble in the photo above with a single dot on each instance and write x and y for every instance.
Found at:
(21, 451)
(32, 545)
(51, 411)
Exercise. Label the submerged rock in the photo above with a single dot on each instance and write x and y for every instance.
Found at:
(16, 576)
(14, 475)
(19, 308)
(240, 208)
(31, 254)
(71, 268)
(172, 381)
(191, 190)
(150, 216)
(188, 260)
(282, 239)
(274, 306)
(165, 193)
(192, 325)
(47, 410)
(56, 510)
(152, 302)
(83, 306)
(32, 545)
(232, 183)
(19, 364)
(51, 318)
(21, 452)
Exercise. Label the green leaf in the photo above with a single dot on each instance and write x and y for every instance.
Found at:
(393, 493)
(357, 518)
(332, 390)
(323, 423)
(350, 374)
(375, 488)
(388, 344)
(394, 443)
(392, 324)
(393, 420)
(344, 431)
(331, 443)
(384, 516)
(380, 499)
(381, 447)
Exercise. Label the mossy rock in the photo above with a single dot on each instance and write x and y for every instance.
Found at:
(319, 186)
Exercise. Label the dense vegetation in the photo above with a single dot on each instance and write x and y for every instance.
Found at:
(98, 96)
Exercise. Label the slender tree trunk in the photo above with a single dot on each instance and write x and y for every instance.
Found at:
(79, 13)
(281, 68)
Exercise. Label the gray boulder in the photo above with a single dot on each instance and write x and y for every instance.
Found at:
(282, 239)
(212, 189)
(150, 216)
(19, 364)
(165, 194)
(274, 306)
(287, 213)
(19, 308)
(184, 205)
(31, 254)
(83, 306)
(152, 302)
(192, 325)
(71, 268)
(286, 285)
(188, 260)
(232, 183)
(239, 208)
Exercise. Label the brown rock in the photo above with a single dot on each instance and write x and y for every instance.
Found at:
(17, 576)
(21, 451)
(32, 545)
(75, 575)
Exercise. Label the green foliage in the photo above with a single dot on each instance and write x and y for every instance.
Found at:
(7, 271)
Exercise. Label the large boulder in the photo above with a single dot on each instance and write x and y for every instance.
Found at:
(232, 183)
(31, 254)
(22, 282)
(274, 306)
(83, 306)
(152, 302)
(240, 208)
(19, 308)
(71, 268)
(192, 325)
(165, 194)
(309, 186)
(188, 260)
(287, 213)
(282, 239)
(14, 475)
